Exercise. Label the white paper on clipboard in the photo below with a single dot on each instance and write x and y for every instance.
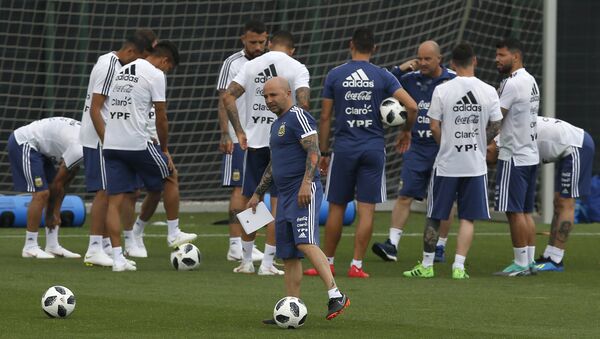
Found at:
(254, 221)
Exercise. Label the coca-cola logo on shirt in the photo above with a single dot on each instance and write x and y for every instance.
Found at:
(355, 96)
(469, 119)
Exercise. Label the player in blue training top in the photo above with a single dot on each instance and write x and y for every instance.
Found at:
(293, 168)
(355, 90)
(419, 77)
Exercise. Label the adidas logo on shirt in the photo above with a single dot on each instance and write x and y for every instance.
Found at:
(535, 94)
(358, 78)
(467, 103)
(265, 75)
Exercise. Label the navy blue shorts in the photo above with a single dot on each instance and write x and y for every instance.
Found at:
(31, 170)
(232, 167)
(573, 176)
(362, 172)
(95, 169)
(256, 161)
(417, 166)
(469, 192)
(295, 225)
(122, 167)
(515, 187)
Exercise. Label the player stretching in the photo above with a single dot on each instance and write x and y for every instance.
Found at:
(255, 137)
(518, 158)
(293, 168)
(128, 148)
(355, 90)
(459, 114)
(254, 40)
(93, 121)
(572, 149)
(32, 151)
(417, 162)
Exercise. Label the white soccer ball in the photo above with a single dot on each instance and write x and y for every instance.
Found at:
(290, 312)
(58, 302)
(392, 112)
(186, 257)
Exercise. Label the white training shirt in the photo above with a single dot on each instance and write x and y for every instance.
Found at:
(231, 67)
(252, 78)
(128, 119)
(556, 138)
(100, 83)
(520, 95)
(464, 105)
(56, 138)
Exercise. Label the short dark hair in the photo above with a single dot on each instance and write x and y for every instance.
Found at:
(462, 54)
(166, 48)
(255, 26)
(142, 39)
(514, 45)
(284, 38)
(363, 40)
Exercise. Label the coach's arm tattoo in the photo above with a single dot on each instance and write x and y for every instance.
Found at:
(303, 98)
(492, 130)
(265, 181)
(310, 144)
(234, 91)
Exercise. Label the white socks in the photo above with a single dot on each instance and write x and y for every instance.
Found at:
(247, 247)
(395, 235)
(118, 254)
(128, 235)
(173, 227)
(530, 254)
(95, 243)
(138, 226)
(459, 262)
(106, 244)
(554, 253)
(357, 263)
(330, 260)
(268, 256)
(441, 242)
(235, 242)
(521, 257)
(31, 239)
(428, 259)
(334, 293)
(52, 237)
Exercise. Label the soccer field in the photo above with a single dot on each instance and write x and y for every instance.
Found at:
(159, 302)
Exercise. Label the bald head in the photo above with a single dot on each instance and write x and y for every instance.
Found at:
(430, 57)
(278, 95)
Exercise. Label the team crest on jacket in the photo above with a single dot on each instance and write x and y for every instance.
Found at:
(281, 131)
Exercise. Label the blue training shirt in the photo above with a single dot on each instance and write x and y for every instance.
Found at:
(357, 89)
(421, 88)
(288, 158)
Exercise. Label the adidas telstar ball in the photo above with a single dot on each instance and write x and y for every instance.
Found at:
(290, 312)
(58, 302)
(186, 257)
(392, 112)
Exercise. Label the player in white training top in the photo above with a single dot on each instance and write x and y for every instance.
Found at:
(254, 40)
(133, 231)
(254, 136)
(94, 117)
(572, 149)
(518, 158)
(33, 150)
(129, 150)
(459, 114)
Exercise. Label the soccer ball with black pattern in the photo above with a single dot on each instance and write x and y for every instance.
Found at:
(392, 112)
(290, 312)
(186, 257)
(58, 302)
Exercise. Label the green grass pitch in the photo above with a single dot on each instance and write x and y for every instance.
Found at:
(213, 302)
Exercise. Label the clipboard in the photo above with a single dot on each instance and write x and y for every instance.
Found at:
(251, 222)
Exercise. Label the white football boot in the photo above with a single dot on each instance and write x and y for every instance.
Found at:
(35, 252)
(245, 267)
(98, 258)
(257, 255)
(269, 271)
(123, 266)
(181, 238)
(62, 252)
